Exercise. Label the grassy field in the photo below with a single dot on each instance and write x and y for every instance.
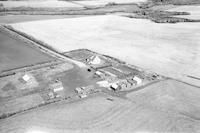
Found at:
(169, 49)
(168, 106)
(14, 53)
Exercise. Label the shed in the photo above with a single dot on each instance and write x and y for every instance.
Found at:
(56, 87)
(98, 73)
(94, 60)
(26, 78)
(79, 90)
(115, 86)
(137, 79)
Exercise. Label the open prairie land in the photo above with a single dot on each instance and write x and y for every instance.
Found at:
(170, 49)
(167, 106)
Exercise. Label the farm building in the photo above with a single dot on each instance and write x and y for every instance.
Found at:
(26, 78)
(78, 90)
(115, 87)
(98, 73)
(103, 83)
(132, 82)
(26, 81)
(84, 91)
(112, 72)
(94, 60)
(137, 79)
(56, 87)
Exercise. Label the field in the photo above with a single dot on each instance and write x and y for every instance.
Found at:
(168, 49)
(168, 106)
(7, 19)
(49, 103)
(193, 10)
(175, 2)
(65, 3)
(14, 53)
(39, 4)
(104, 2)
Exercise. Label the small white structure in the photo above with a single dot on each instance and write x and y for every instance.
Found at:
(104, 83)
(115, 86)
(98, 73)
(26, 78)
(58, 89)
(137, 79)
(79, 90)
(94, 60)
(83, 95)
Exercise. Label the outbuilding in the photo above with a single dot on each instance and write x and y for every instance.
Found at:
(115, 86)
(57, 87)
(94, 60)
(137, 79)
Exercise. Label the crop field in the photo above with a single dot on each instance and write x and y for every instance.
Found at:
(104, 2)
(38, 4)
(167, 106)
(65, 3)
(24, 18)
(14, 53)
(19, 104)
(168, 49)
(193, 10)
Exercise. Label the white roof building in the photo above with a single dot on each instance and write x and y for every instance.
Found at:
(94, 60)
(58, 89)
(26, 77)
(79, 90)
(137, 79)
(103, 83)
(115, 86)
(98, 73)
